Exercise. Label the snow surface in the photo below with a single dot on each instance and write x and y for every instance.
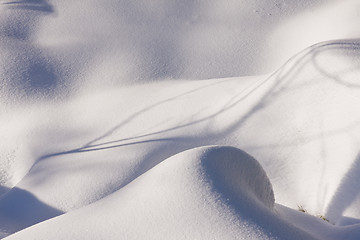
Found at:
(117, 119)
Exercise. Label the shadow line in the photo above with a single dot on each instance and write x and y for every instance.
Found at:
(33, 5)
(347, 192)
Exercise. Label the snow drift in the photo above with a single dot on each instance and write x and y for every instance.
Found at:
(103, 130)
(208, 192)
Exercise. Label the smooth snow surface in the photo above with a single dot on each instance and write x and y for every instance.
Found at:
(207, 192)
(180, 119)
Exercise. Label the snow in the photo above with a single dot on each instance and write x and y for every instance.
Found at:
(181, 120)
(207, 192)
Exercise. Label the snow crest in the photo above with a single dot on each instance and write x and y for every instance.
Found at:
(209, 192)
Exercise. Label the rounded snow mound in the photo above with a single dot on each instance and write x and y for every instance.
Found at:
(233, 172)
(208, 192)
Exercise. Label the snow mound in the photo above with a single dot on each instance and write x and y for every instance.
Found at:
(97, 99)
(204, 193)
(232, 171)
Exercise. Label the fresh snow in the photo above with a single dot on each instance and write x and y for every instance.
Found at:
(179, 120)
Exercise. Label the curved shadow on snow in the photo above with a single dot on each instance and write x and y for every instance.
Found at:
(281, 79)
(236, 174)
(34, 5)
(112, 130)
(347, 192)
(284, 78)
(245, 187)
(21, 28)
(351, 45)
(20, 209)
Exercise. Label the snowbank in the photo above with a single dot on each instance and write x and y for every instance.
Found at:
(207, 192)
(98, 103)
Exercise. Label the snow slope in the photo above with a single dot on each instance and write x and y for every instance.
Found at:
(105, 135)
(207, 192)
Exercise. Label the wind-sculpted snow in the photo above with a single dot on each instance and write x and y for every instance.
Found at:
(300, 123)
(104, 135)
(207, 193)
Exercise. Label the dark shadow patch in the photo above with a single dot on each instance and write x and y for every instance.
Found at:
(347, 192)
(33, 5)
(20, 209)
(347, 221)
(3, 190)
(39, 77)
(19, 32)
